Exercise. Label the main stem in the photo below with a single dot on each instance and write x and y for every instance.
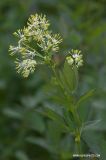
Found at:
(77, 131)
(76, 118)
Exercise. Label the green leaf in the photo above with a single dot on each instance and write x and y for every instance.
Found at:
(95, 142)
(68, 78)
(38, 141)
(63, 81)
(69, 119)
(91, 124)
(59, 96)
(13, 113)
(54, 116)
(35, 121)
(53, 134)
(85, 96)
(67, 151)
(71, 76)
(20, 155)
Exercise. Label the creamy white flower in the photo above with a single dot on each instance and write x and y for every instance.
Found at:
(35, 42)
(25, 67)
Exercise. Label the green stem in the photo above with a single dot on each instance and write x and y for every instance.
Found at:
(54, 71)
(77, 131)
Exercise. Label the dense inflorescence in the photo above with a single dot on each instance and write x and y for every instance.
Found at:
(37, 44)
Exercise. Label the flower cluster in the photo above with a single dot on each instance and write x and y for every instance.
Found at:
(74, 58)
(26, 66)
(36, 45)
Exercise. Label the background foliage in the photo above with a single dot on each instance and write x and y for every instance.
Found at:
(25, 134)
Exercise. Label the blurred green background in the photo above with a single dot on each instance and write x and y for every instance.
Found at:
(24, 133)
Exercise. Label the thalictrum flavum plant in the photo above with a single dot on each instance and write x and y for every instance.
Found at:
(36, 46)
